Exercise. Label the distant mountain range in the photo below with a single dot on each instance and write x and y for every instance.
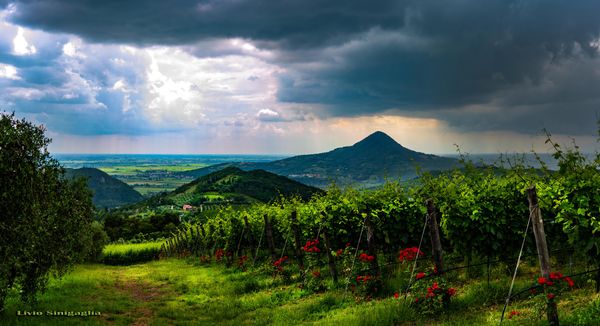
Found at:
(366, 163)
(108, 192)
(234, 186)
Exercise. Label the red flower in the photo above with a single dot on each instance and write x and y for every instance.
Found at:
(555, 275)
(451, 292)
(409, 254)
(542, 280)
(311, 246)
(569, 281)
(316, 273)
(513, 313)
(550, 296)
(242, 261)
(420, 275)
(219, 254)
(339, 252)
(396, 295)
(435, 286)
(549, 283)
(347, 244)
(416, 299)
(366, 258)
(280, 261)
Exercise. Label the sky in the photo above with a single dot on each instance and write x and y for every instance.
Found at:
(302, 76)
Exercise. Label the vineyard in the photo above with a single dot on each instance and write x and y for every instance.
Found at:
(373, 244)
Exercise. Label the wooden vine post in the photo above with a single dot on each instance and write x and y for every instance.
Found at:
(297, 239)
(249, 233)
(330, 258)
(371, 245)
(542, 249)
(269, 233)
(434, 233)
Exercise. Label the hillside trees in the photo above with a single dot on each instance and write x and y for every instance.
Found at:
(45, 220)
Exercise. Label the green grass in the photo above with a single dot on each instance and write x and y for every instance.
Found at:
(127, 254)
(180, 292)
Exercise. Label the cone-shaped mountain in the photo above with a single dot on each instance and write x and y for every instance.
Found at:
(368, 163)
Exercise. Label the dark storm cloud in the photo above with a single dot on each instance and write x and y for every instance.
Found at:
(449, 57)
(295, 23)
(479, 65)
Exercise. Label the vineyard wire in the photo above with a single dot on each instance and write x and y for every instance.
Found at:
(257, 248)
(284, 245)
(417, 257)
(538, 286)
(446, 270)
(355, 254)
(237, 251)
(512, 283)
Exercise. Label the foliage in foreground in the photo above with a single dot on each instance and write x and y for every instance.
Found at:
(46, 222)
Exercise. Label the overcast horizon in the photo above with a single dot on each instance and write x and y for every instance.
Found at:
(300, 77)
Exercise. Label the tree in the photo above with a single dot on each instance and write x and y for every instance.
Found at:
(45, 220)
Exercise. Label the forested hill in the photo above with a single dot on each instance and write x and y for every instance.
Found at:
(108, 191)
(233, 185)
(368, 162)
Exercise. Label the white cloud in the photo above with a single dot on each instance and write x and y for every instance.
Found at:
(8, 72)
(268, 115)
(20, 44)
(73, 48)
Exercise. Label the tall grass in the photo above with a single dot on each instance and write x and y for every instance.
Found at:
(127, 254)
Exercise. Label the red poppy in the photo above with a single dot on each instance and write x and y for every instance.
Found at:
(542, 280)
(550, 296)
(513, 313)
(420, 275)
(396, 295)
(451, 292)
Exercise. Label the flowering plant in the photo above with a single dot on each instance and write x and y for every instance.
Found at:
(366, 258)
(219, 253)
(553, 285)
(281, 271)
(311, 246)
(409, 254)
(431, 295)
(278, 263)
(313, 280)
(363, 283)
(204, 259)
(242, 262)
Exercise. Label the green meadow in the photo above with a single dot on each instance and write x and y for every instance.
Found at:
(184, 292)
(141, 168)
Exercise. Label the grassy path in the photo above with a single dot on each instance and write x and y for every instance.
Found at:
(176, 292)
